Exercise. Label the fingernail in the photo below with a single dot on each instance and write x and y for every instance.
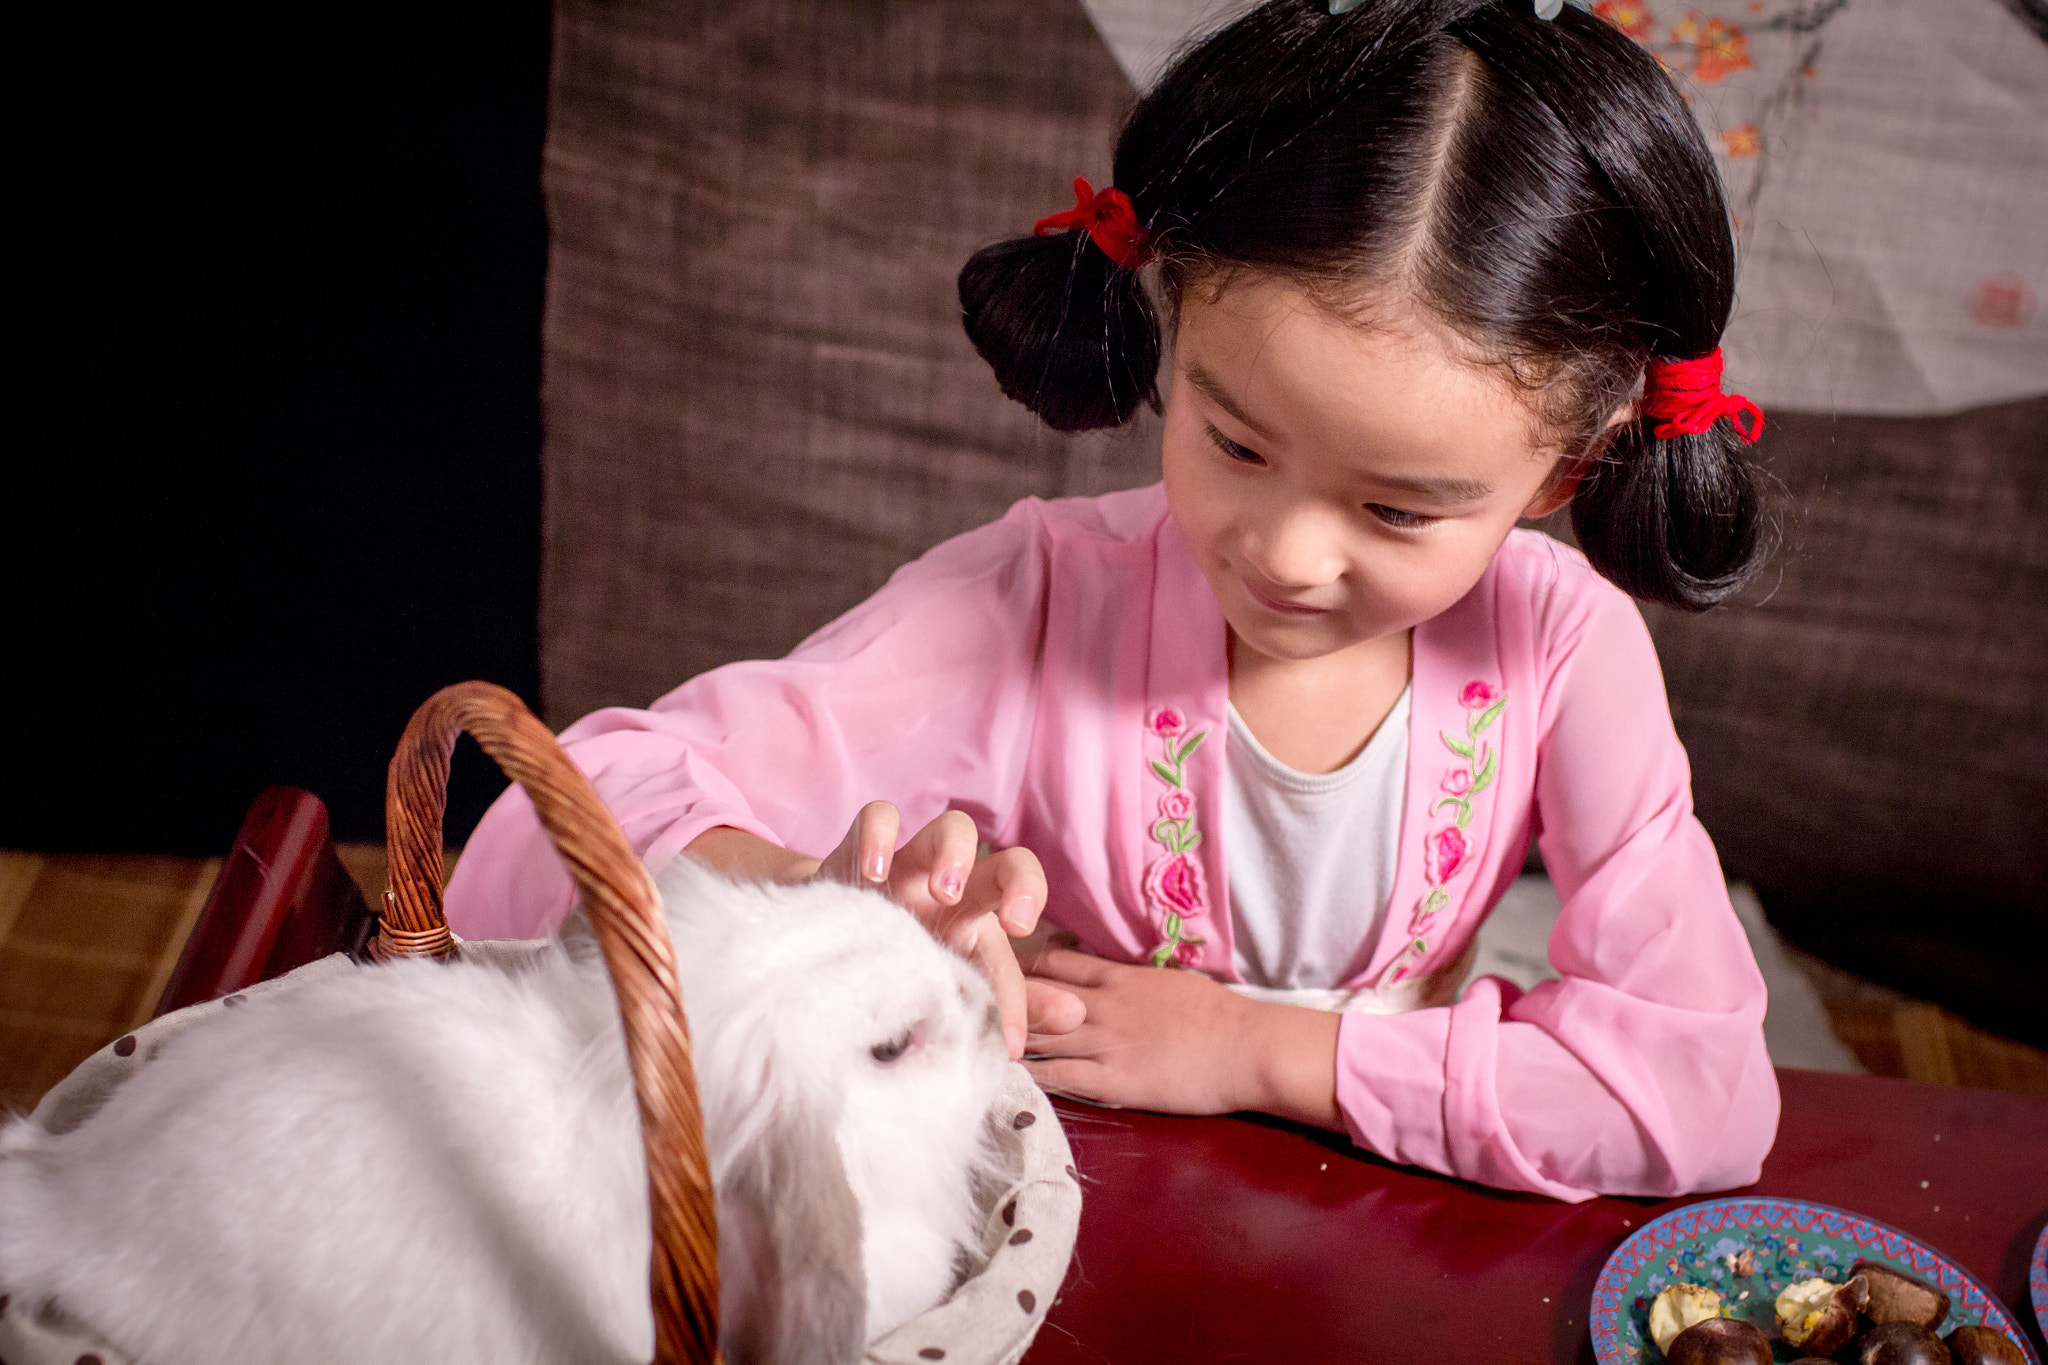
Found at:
(1020, 913)
(878, 867)
(1013, 1038)
(949, 885)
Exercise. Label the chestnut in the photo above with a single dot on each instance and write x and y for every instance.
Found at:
(1896, 1296)
(1679, 1307)
(1901, 1343)
(1719, 1341)
(1975, 1345)
(1819, 1316)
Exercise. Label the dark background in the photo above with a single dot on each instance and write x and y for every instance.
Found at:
(275, 469)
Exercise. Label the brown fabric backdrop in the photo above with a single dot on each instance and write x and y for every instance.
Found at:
(758, 402)
(1866, 732)
(758, 398)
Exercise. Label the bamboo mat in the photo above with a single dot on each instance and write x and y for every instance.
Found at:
(87, 942)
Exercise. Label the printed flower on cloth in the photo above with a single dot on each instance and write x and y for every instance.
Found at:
(1174, 888)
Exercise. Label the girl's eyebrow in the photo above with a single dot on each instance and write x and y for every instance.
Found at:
(1439, 490)
(1217, 394)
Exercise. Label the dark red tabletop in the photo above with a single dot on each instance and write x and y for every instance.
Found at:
(1252, 1239)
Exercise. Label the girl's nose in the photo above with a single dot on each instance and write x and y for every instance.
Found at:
(1296, 548)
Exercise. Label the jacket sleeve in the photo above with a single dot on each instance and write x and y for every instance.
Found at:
(1641, 1069)
(922, 695)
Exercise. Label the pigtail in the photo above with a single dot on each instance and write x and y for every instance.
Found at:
(1070, 334)
(1677, 520)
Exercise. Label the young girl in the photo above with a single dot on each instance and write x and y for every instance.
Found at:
(1289, 721)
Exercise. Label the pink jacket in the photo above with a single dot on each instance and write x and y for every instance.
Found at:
(1047, 674)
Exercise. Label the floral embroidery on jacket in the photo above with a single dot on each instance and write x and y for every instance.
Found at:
(1173, 884)
(1445, 849)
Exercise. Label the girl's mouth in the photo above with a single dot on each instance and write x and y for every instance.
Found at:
(1278, 605)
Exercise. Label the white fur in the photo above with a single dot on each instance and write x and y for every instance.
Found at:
(426, 1162)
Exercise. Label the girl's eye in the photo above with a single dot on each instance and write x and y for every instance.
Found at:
(1242, 454)
(1400, 520)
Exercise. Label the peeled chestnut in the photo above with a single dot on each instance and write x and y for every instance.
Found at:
(1819, 1316)
(1896, 1296)
(1975, 1345)
(1719, 1341)
(1901, 1343)
(1679, 1307)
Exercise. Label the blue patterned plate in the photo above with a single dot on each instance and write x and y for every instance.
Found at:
(2037, 1281)
(1785, 1240)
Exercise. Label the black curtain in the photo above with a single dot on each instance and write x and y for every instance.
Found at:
(274, 470)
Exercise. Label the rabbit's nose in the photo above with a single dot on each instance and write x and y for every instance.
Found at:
(992, 1021)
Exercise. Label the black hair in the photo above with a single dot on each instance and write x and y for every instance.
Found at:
(1537, 185)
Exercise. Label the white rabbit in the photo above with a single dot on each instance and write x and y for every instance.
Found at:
(441, 1162)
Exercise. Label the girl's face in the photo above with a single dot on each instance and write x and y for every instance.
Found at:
(1338, 483)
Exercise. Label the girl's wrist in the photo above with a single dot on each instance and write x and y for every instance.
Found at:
(1292, 1056)
(739, 854)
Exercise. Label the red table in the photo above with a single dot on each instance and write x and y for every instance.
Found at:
(1252, 1239)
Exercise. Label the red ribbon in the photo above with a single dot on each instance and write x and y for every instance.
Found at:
(1111, 221)
(1685, 397)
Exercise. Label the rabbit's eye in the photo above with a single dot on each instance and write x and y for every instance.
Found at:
(894, 1048)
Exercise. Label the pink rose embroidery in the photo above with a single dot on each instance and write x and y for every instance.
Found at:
(1444, 852)
(1176, 805)
(1477, 696)
(1168, 722)
(1186, 951)
(1174, 884)
(1458, 781)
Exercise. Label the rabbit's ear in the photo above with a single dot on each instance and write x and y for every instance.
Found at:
(793, 1290)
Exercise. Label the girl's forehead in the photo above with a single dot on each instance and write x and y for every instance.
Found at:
(1386, 386)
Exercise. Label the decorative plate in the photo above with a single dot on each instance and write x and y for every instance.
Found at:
(2037, 1280)
(1786, 1241)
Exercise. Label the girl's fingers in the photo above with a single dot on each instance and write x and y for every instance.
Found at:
(1005, 980)
(876, 828)
(1073, 1076)
(1012, 884)
(864, 855)
(1050, 1010)
(1065, 967)
(933, 868)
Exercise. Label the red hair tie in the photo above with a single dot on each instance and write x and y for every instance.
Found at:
(1685, 397)
(1111, 221)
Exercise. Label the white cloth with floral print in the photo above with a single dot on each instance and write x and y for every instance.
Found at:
(1312, 855)
(1886, 164)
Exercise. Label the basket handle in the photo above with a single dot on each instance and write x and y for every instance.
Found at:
(626, 914)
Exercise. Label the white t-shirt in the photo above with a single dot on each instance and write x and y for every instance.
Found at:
(1311, 855)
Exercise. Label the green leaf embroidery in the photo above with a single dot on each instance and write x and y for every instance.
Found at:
(1173, 923)
(1190, 839)
(1421, 945)
(1485, 777)
(1166, 774)
(1456, 745)
(1168, 832)
(1193, 740)
(1162, 954)
(1464, 808)
(1489, 715)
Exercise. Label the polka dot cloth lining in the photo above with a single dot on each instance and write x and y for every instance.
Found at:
(1027, 1238)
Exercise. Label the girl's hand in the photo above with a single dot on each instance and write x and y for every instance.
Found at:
(974, 906)
(1177, 1042)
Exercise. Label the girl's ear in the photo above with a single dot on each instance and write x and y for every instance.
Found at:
(1565, 475)
(1557, 490)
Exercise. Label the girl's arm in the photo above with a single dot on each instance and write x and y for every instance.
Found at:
(1642, 1069)
(921, 696)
